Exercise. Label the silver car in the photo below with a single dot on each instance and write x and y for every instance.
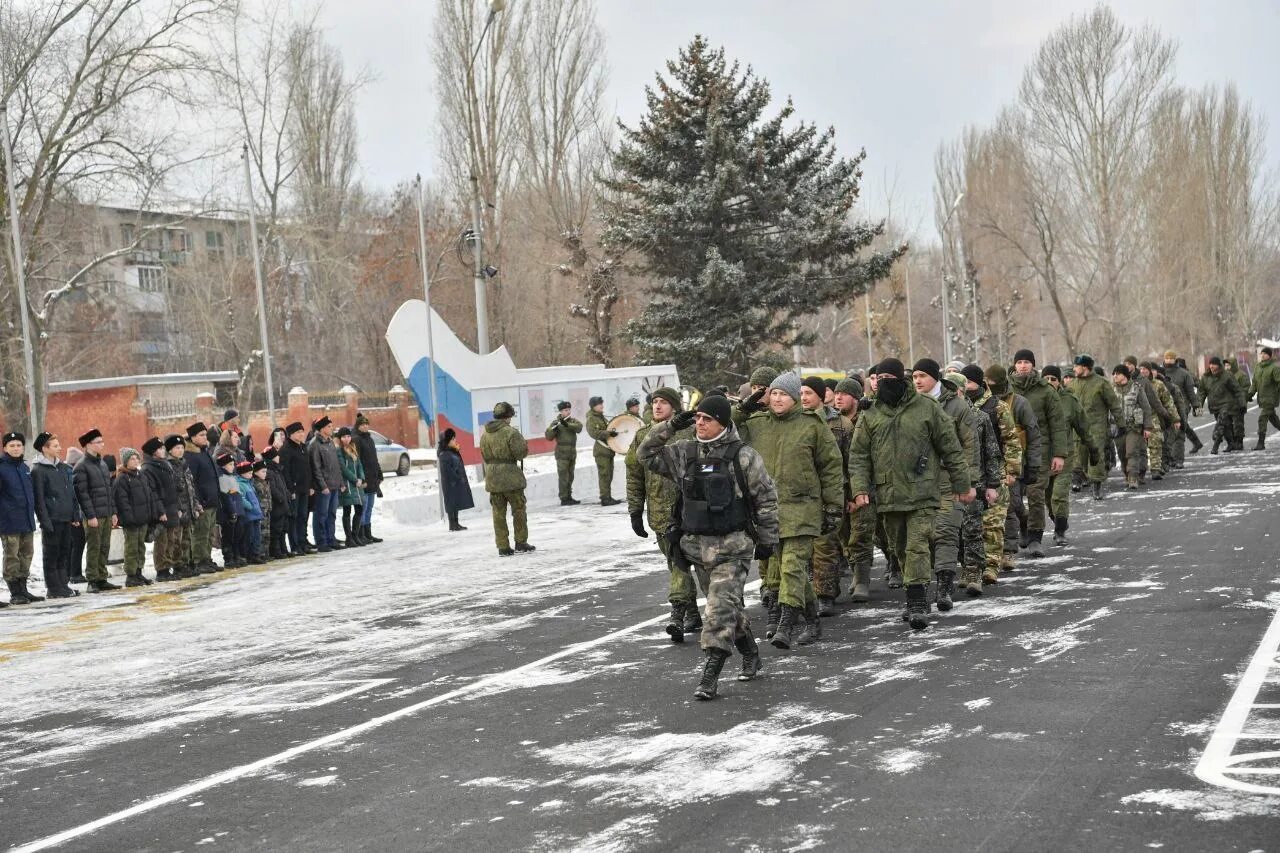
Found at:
(391, 456)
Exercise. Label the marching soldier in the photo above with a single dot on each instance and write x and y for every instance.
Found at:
(1225, 400)
(598, 430)
(828, 551)
(1266, 387)
(1006, 430)
(1099, 402)
(1134, 426)
(564, 432)
(987, 460)
(729, 513)
(1077, 424)
(860, 522)
(1232, 365)
(503, 450)
(1054, 440)
(1166, 419)
(1029, 438)
(1184, 382)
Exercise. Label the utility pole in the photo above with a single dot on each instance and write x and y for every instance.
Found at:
(946, 306)
(477, 249)
(431, 349)
(262, 302)
(20, 275)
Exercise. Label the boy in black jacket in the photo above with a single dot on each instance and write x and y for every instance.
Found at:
(57, 511)
(231, 513)
(138, 509)
(164, 489)
(279, 521)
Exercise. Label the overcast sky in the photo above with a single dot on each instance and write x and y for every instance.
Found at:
(896, 78)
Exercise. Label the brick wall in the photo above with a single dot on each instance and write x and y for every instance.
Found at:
(114, 411)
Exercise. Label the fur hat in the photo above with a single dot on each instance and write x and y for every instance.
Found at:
(320, 423)
(1170, 355)
(14, 436)
(243, 465)
(1084, 360)
(595, 401)
(172, 441)
(259, 465)
(269, 454)
(296, 426)
(41, 440)
(196, 428)
(224, 459)
(633, 402)
(788, 382)
(151, 445)
(90, 437)
(562, 405)
(717, 406)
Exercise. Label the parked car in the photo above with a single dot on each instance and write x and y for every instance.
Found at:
(391, 456)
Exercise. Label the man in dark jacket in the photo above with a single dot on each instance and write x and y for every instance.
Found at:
(138, 508)
(205, 475)
(17, 518)
(327, 482)
(372, 475)
(98, 507)
(297, 476)
(1225, 400)
(159, 475)
(1179, 376)
(56, 511)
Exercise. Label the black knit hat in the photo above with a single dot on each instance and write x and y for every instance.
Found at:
(930, 367)
(90, 437)
(816, 385)
(893, 367)
(151, 445)
(229, 414)
(196, 428)
(342, 431)
(717, 406)
(1024, 355)
(41, 440)
(974, 374)
(1123, 370)
(1216, 360)
(172, 441)
(1052, 370)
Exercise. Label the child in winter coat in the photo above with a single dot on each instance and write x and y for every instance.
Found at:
(230, 512)
(17, 518)
(352, 495)
(189, 508)
(263, 490)
(138, 508)
(252, 513)
(57, 512)
(279, 488)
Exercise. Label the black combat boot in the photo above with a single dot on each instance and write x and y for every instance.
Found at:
(1217, 442)
(1261, 445)
(1024, 535)
(751, 666)
(1097, 491)
(826, 606)
(102, 586)
(711, 674)
(609, 502)
(893, 577)
(946, 586)
(18, 593)
(164, 575)
(786, 624)
(774, 615)
(506, 552)
(693, 618)
(525, 547)
(918, 606)
(1060, 531)
(812, 630)
(675, 623)
(370, 539)
(1035, 548)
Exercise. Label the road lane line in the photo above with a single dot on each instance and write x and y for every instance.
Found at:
(235, 773)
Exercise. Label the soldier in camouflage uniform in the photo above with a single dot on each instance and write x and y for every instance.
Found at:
(1055, 442)
(1266, 386)
(1186, 384)
(1101, 406)
(503, 450)
(1006, 430)
(598, 429)
(722, 535)
(1165, 421)
(987, 459)
(860, 522)
(1078, 427)
(801, 456)
(564, 432)
(828, 551)
(1232, 365)
(1016, 520)
(1135, 424)
(658, 494)
(899, 445)
(1225, 400)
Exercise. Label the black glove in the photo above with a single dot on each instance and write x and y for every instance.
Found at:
(637, 524)
(684, 420)
(864, 403)
(831, 520)
(752, 403)
(613, 433)
(763, 551)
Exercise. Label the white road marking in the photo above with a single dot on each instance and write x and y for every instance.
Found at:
(235, 773)
(1220, 764)
(259, 698)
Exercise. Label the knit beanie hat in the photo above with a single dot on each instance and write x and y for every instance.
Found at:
(127, 453)
(717, 406)
(763, 375)
(671, 395)
(851, 386)
(930, 367)
(974, 374)
(1052, 370)
(788, 382)
(893, 367)
(1024, 355)
(956, 379)
(997, 379)
(816, 385)
(1216, 360)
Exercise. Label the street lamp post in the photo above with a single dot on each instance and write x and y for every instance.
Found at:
(20, 274)
(477, 249)
(431, 349)
(262, 302)
(946, 306)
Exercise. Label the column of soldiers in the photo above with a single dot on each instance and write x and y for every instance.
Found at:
(952, 473)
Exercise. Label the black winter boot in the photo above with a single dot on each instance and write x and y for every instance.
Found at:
(786, 624)
(826, 606)
(1217, 443)
(675, 623)
(1097, 491)
(893, 577)
(523, 547)
(918, 606)
(774, 615)
(812, 631)
(1060, 531)
(18, 593)
(1035, 548)
(1261, 445)
(693, 618)
(370, 539)
(102, 586)
(746, 645)
(946, 586)
(711, 674)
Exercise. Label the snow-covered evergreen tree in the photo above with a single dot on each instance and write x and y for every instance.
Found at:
(743, 221)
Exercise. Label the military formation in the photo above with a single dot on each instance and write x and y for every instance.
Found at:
(953, 473)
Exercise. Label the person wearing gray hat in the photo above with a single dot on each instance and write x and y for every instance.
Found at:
(598, 429)
(564, 432)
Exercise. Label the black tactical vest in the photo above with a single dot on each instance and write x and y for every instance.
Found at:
(710, 506)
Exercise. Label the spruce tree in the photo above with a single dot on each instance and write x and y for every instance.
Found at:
(742, 221)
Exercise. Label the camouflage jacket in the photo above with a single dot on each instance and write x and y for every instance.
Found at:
(1077, 423)
(503, 449)
(1266, 384)
(1165, 409)
(897, 450)
(1028, 432)
(801, 456)
(598, 429)
(661, 454)
(1098, 400)
(1055, 439)
(648, 490)
(1135, 409)
(977, 437)
(564, 432)
(1005, 429)
(1220, 391)
(841, 427)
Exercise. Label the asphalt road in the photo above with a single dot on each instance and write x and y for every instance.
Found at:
(446, 700)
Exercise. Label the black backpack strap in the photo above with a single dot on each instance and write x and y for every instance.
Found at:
(735, 449)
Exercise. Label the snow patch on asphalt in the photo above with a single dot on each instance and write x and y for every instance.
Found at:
(978, 704)
(1271, 602)
(620, 837)
(318, 781)
(1213, 805)
(903, 760)
(1055, 642)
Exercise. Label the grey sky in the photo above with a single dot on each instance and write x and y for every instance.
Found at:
(896, 78)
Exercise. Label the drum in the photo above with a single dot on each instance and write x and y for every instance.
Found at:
(626, 425)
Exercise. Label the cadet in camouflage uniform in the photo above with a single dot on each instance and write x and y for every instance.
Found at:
(1166, 420)
(721, 539)
(1225, 400)
(988, 461)
(659, 494)
(1266, 386)
(898, 446)
(1232, 365)
(598, 430)
(1134, 426)
(1006, 430)
(1184, 382)
(1099, 402)
(1055, 442)
(564, 432)
(503, 450)
(1077, 426)
(828, 550)
(860, 522)
(1015, 524)
(801, 456)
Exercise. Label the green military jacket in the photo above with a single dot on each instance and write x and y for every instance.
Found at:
(1169, 416)
(1097, 400)
(564, 432)
(645, 489)
(598, 429)
(1242, 381)
(503, 448)
(897, 450)
(1266, 384)
(1220, 391)
(958, 409)
(802, 457)
(1078, 424)
(1055, 439)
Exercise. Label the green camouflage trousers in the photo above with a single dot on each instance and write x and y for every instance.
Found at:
(788, 571)
(564, 473)
(604, 471)
(19, 548)
(97, 543)
(499, 501)
(681, 588)
(135, 549)
(164, 544)
(944, 539)
(1060, 491)
(829, 560)
(860, 546)
(993, 528)
(202, 537)
(724, 561)
(908, 535)
(1155, 450)
(182, 551)
(972, 549)
(1035, 494)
